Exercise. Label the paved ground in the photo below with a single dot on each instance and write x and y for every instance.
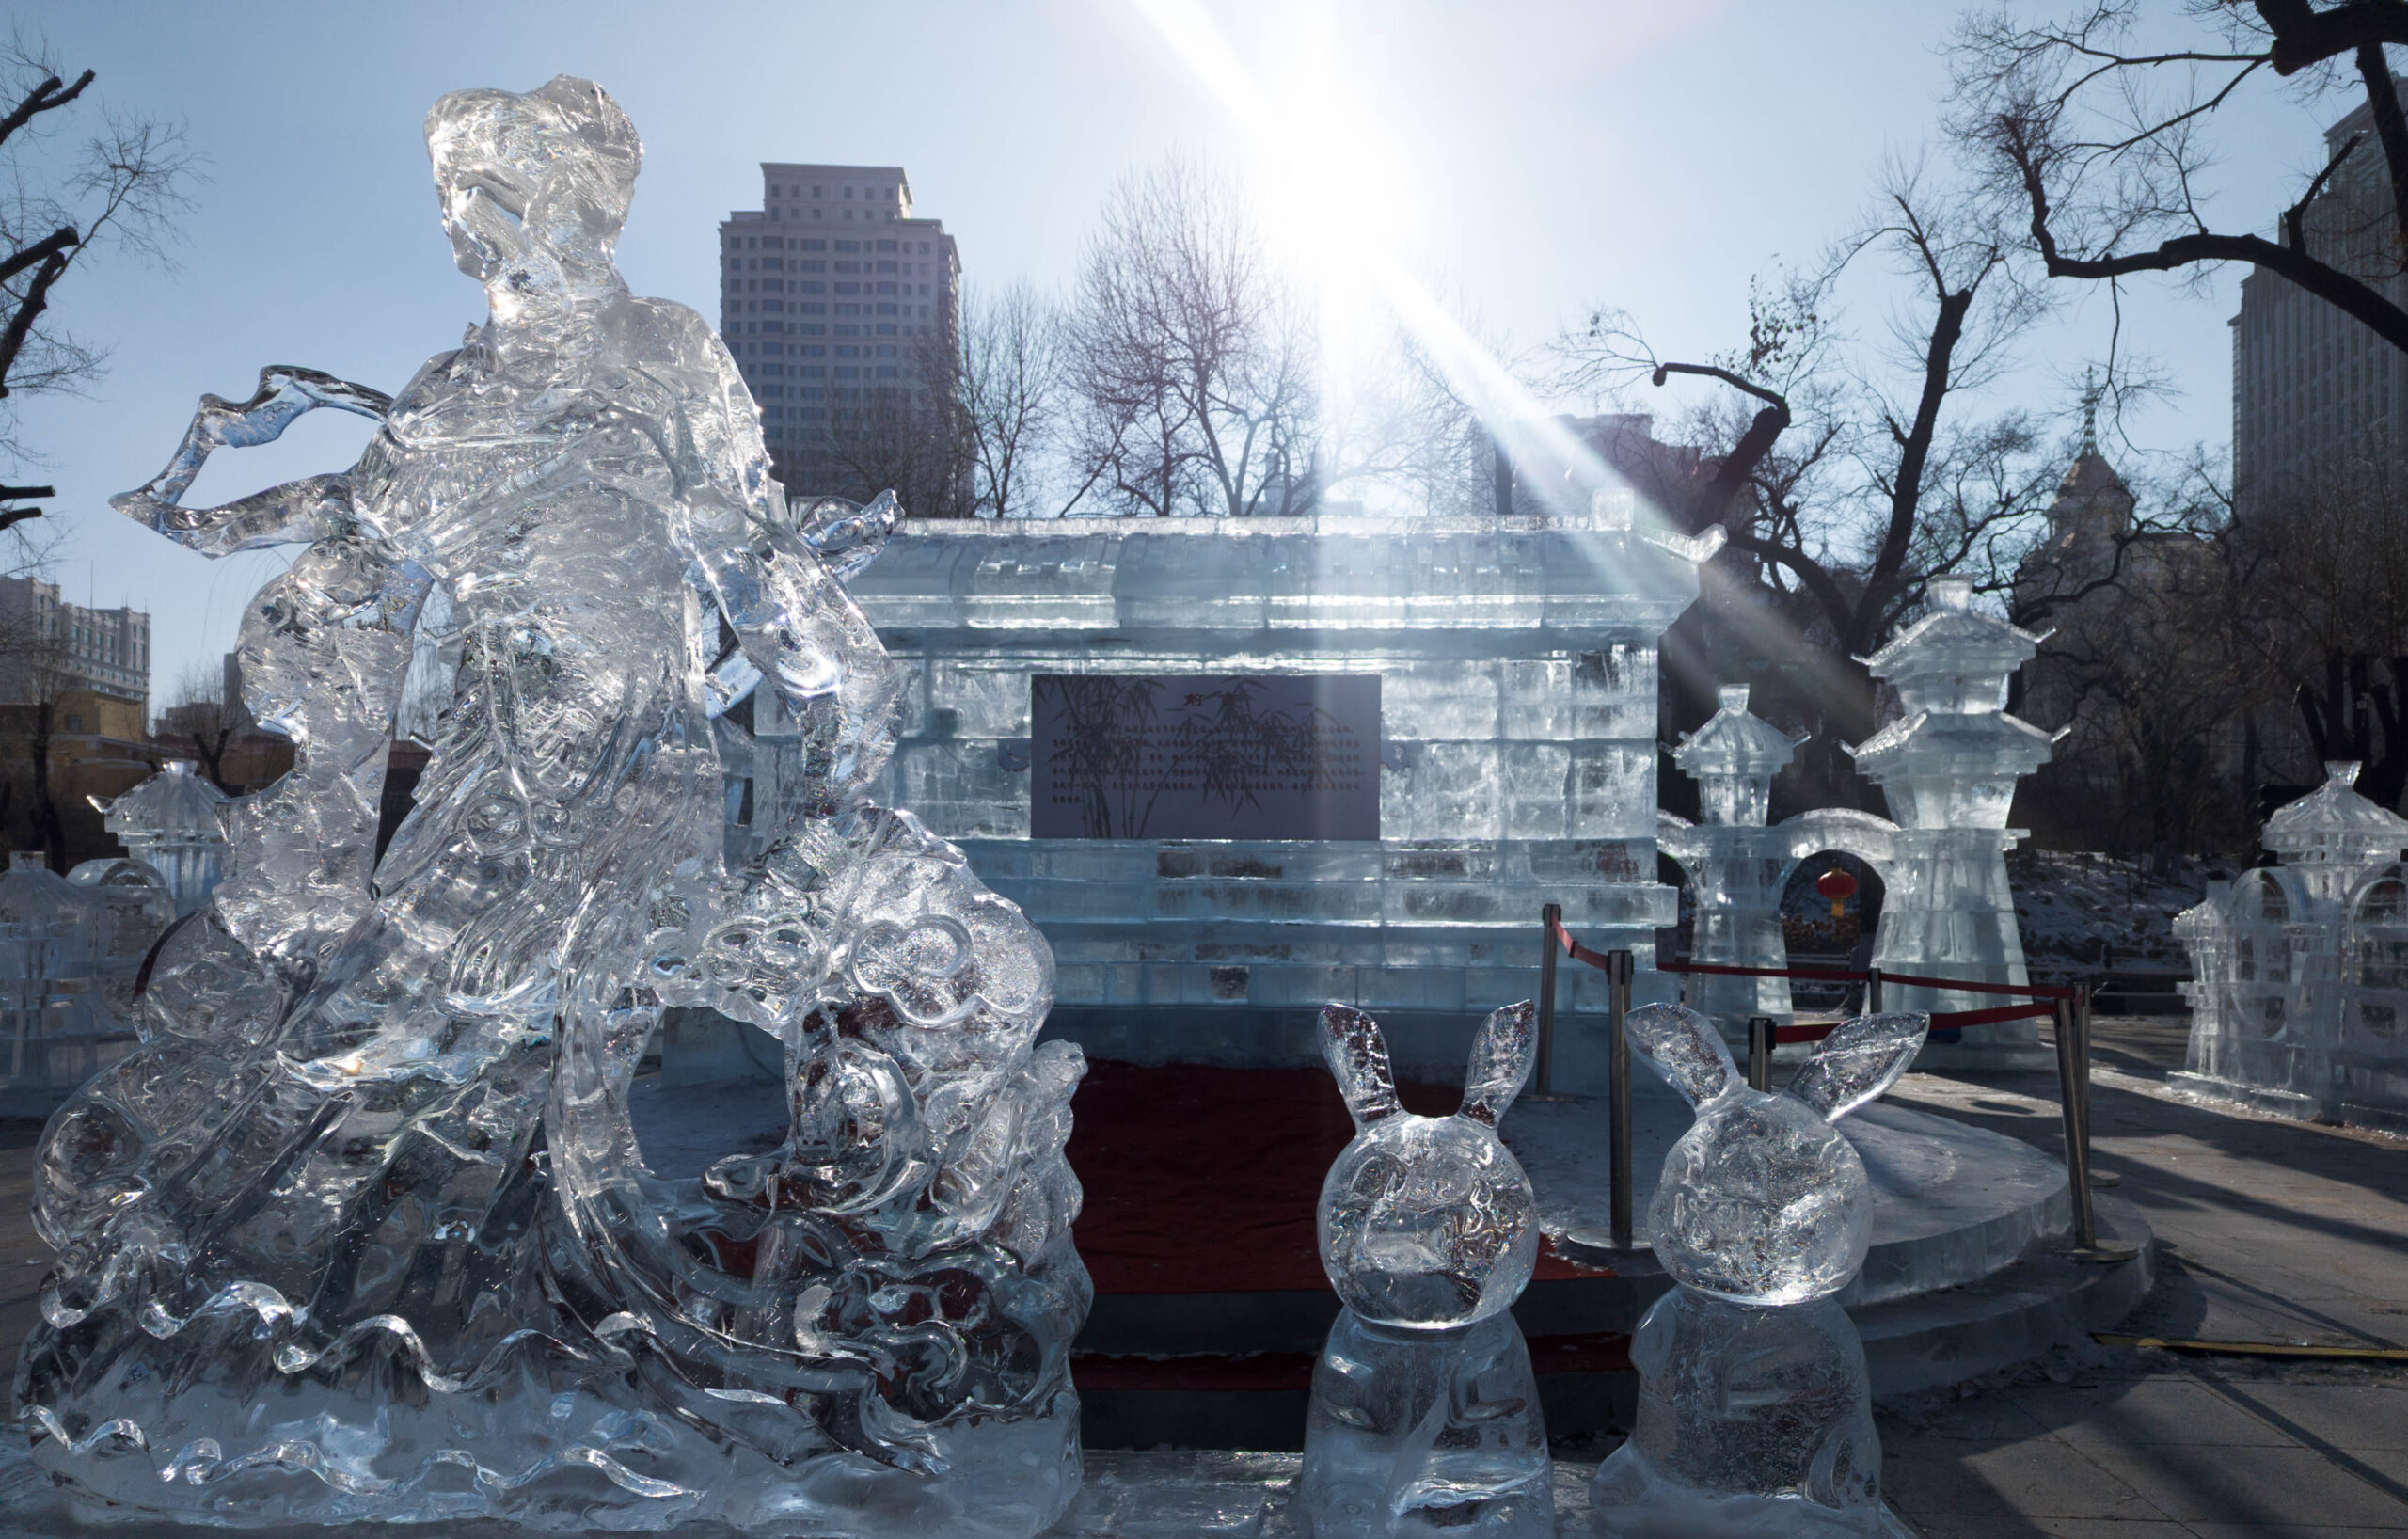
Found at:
(2271, 1232)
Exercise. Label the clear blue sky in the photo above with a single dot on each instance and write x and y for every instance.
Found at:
(1646, 153)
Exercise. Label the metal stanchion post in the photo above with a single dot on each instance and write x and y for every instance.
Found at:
(1760, 1046)
(1873, 991)
(2086, 1243)
(1542, 1087)
(2082, 1082)
(1618, 971)
(2085, 1225)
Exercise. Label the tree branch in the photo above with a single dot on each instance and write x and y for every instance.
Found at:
(57, 243)
(1740, 464)
(2326, 282)
(49, 96)
(2295, 217)
(29, 310)
(2304, 36)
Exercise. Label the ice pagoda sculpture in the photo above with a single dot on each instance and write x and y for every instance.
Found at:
(1735, 864)
(364, 1230)
(175, 823)
(1756, 1413)
(54, 1023)
(1949, 767)
(2299, 998)
(1424, 1417)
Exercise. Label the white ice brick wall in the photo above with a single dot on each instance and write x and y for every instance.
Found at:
(1520, 770)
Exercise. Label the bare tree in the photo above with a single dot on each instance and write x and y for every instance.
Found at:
(2098, 132)
(34, 675)
(908, 432)
(1012, 386)
(1397, 428)
(2317, 599)
(119, 189)
(197, 719)
(1192, 359)
(2231, 655)
(1845, 477)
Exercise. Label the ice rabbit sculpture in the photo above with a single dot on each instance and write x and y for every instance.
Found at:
(362, 1229)
(1755, 1414)
(1424, 1417)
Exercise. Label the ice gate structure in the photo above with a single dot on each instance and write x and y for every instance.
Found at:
(1948, 765)
(1397, 738)
(2300, 999)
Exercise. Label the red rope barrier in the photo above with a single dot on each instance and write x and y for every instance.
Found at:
(1827, 974)
(1956, 1020)
(1946, 1026)
(2026, 990)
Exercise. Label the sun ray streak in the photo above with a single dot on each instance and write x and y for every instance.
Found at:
(1315, 190)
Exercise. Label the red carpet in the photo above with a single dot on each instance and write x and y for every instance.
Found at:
(1204, 1181)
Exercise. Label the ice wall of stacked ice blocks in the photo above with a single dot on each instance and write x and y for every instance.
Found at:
(1517, 668)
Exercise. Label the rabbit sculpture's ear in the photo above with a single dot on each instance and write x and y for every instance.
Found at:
(1502, 1055)
(1686, 1047)
(1860, 1059)
(1358, 1057)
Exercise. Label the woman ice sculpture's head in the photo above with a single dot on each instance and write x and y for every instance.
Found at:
(534, 189)
(1428, 1221)
(1763, 1201)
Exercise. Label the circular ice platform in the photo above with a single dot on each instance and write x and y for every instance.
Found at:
(1952, 1203)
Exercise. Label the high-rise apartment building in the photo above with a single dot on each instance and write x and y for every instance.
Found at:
(2315, 391)
(834, 297)
(49, 645)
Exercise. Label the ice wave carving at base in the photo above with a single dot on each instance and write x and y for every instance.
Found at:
(363, 1230)
(1424, 1417)
(1755, 1412)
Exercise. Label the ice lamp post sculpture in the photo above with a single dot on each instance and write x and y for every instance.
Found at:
(1755, 1414)
(135, 909)
(363, 1229)
(1949, 767)
(2299, 1001)
(1735, 864)
(174, 823)
(1424, 1418)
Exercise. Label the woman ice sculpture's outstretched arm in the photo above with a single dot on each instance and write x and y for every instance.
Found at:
(323, 646)
(297, 512)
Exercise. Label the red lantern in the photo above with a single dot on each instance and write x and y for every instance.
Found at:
(1838, 886)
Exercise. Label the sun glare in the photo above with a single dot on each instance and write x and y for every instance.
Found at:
(1342, 204)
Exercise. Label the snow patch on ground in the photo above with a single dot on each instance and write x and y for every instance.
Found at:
(2096, 910)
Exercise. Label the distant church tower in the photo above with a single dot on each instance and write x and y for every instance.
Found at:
(2091, 513)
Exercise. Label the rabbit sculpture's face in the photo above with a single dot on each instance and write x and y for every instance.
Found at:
(1762, 1200)
(1427, 1221)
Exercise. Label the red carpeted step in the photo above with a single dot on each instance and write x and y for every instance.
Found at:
(1205, 1180)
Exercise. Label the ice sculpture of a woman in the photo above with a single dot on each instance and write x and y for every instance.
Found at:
(365, 1232)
